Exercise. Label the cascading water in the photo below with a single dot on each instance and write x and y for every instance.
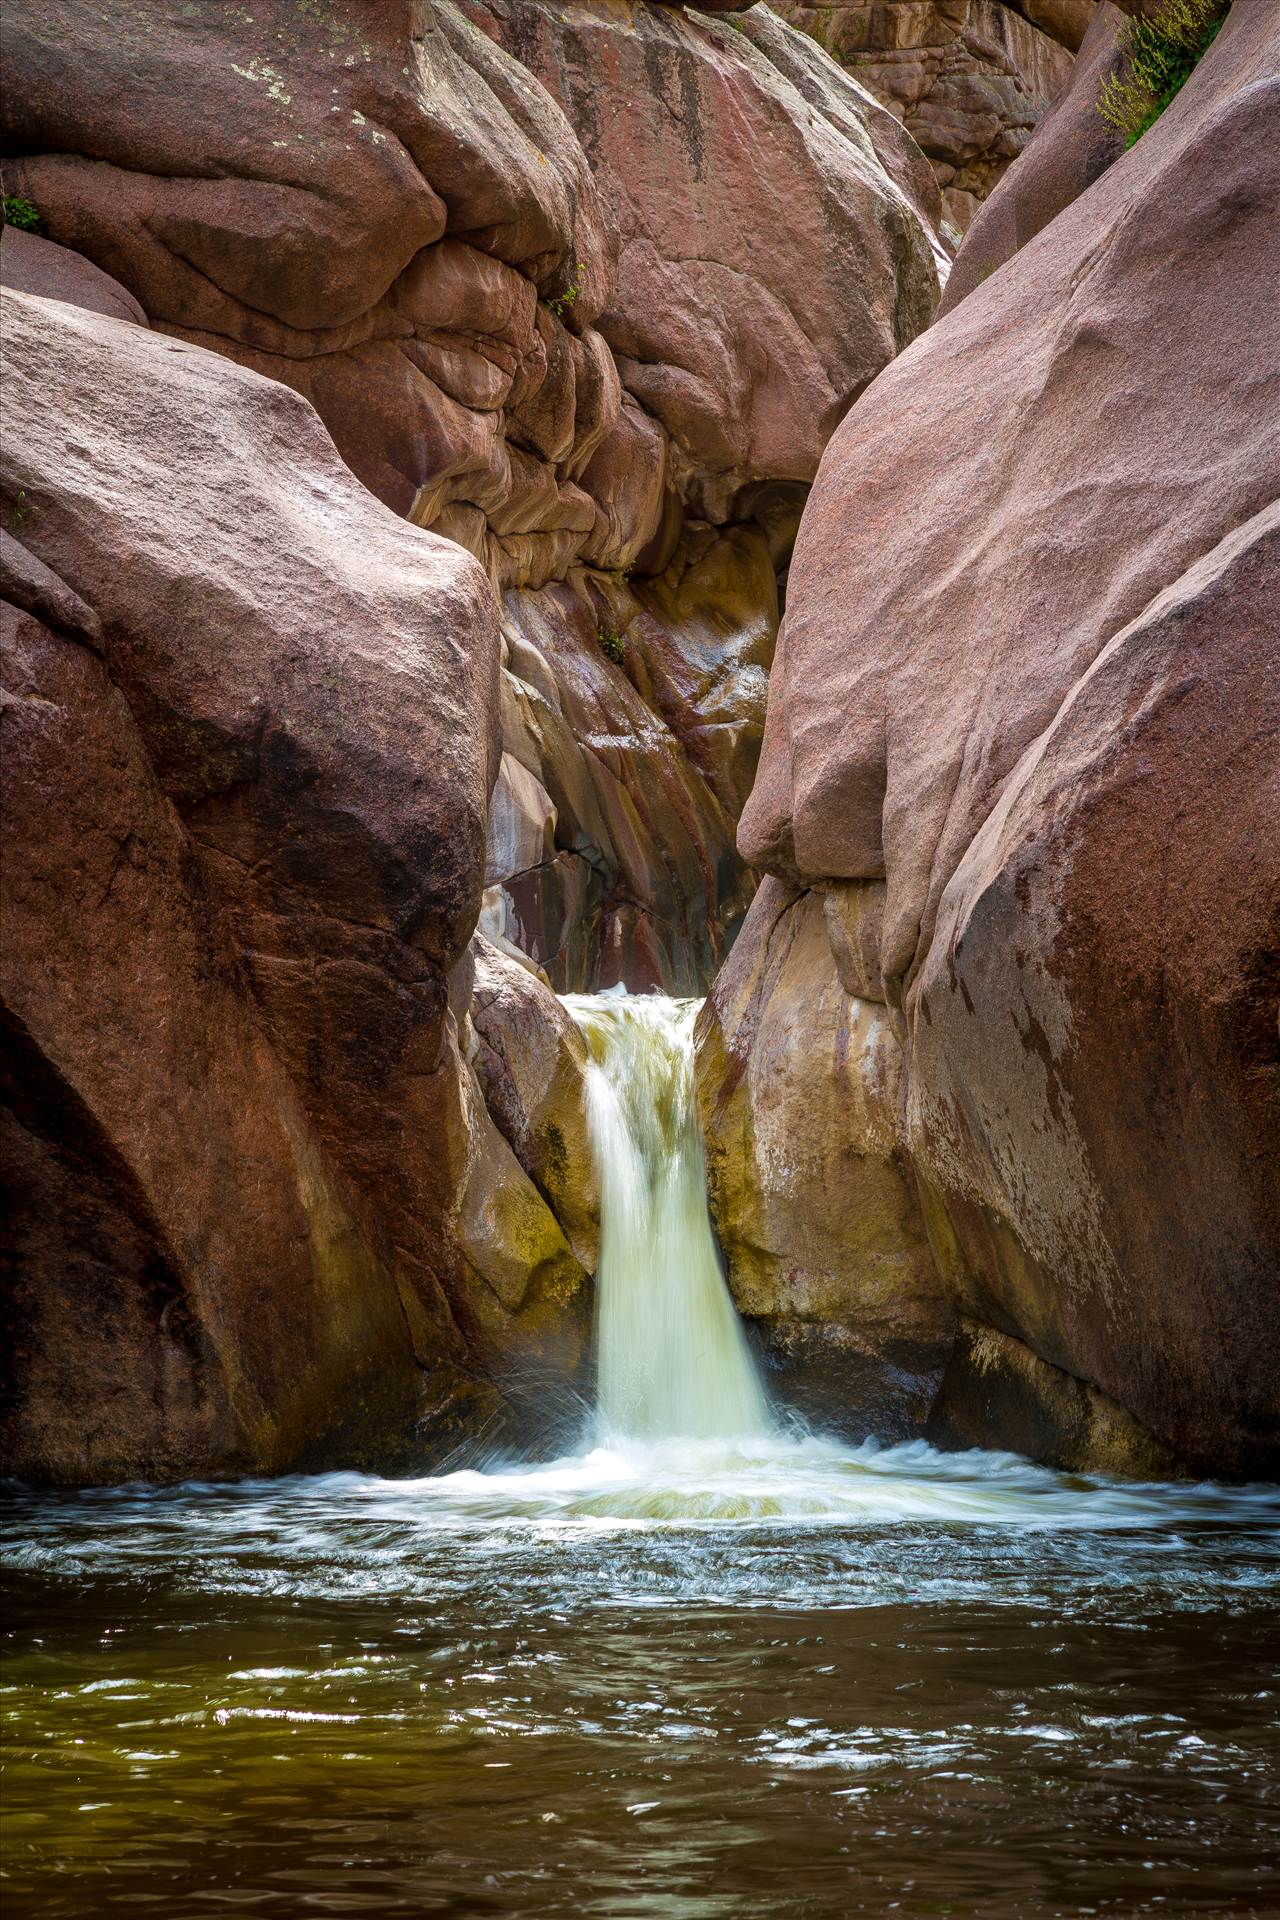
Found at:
(672, 1359)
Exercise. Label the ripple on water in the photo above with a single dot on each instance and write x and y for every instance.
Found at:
(773, 1677)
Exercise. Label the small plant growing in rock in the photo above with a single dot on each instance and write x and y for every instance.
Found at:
(611, 644)
(19, 510)
(20, 213)
(1158, 57)
(563, 301)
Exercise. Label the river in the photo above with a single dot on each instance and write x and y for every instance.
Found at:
(710, 1667)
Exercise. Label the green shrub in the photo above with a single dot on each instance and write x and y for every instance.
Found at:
(562, 303)
(1158, 57)
(20, 213)
(611, 644)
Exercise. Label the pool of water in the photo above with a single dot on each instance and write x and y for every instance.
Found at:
(701, 1682)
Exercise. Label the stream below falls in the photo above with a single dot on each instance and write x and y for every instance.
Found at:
(710, 1667)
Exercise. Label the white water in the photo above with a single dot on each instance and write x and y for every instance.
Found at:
(672, 1359)
(683, 1433)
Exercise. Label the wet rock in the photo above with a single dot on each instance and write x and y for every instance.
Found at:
(812, 1193)
(531, 1063)
(524, 1305)
(996, 1385)
(643, 885)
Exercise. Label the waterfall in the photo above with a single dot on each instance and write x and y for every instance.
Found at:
(672, 1358)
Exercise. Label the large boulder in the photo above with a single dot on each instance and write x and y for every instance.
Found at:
(1027, 681)
(251, 724)
(1095, 1093)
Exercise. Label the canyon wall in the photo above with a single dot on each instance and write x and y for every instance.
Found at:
(970, 79)
(408, 413)
(1019, 798)
(586, 292)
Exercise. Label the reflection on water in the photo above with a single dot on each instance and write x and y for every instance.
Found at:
(706, 1682)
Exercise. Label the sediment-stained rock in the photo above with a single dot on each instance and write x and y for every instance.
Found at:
(970, 79)
(1027, 682)
(995, 1385)
(531, 1062)
(812, 1190)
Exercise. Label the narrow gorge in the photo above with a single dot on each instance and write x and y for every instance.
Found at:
(640, 934)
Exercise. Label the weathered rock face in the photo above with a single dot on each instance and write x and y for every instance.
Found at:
(251, 721)
(970, 79)
(301, 1173)
(1044, 718)
(587, 293)
(1073, 147)
(33, 265)
(800, 1085)
(1098, 1108)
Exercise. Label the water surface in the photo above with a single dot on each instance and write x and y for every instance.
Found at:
(704, 1681)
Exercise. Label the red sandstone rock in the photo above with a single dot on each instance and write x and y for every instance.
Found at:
(251, 727)
(1026, 678)
(643, 885)
(767, 267)
(396, 219)
(269, 185)
(1073, 147)
(391, 213)
(1095, 1068)
(970, 79)
(29, 264)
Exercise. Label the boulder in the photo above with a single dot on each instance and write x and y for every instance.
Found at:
(251, 725)
(30, 264)
(1026, 681)
(1095, 1090)
(531, 1063)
